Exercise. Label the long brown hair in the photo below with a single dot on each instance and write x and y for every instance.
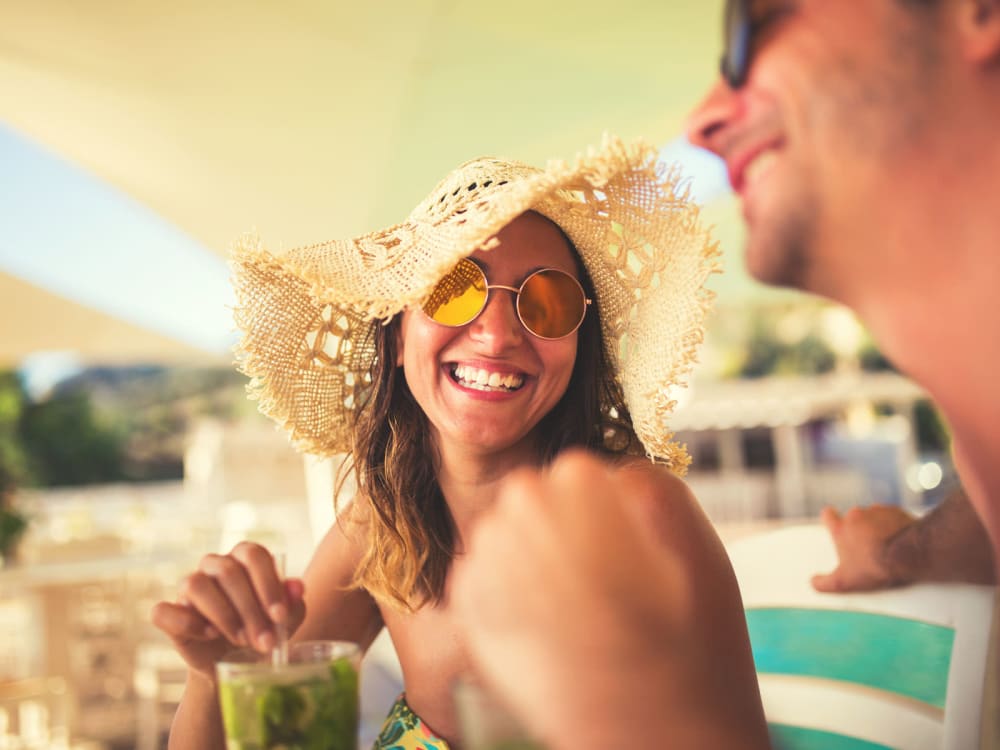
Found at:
(408, 532)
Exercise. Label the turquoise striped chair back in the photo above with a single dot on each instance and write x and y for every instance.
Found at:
(903, 669)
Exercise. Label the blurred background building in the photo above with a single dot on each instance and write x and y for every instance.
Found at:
(136, 144)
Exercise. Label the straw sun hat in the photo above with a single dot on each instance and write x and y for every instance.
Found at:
(308, 315)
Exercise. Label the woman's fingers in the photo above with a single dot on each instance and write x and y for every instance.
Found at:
(181, 622)
(267, 584)
(240, 596)
(223, 593)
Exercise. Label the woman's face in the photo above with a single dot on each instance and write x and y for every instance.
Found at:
(485, 386)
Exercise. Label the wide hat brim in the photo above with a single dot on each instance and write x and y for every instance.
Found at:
(308, 315)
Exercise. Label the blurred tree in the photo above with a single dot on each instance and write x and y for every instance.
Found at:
(152, 409)
(767, 354)
(761, 355)
(13, 463)
(810, 356)
(932, 431)
(873, 360)
(13, 522)
(111, 424)
(68, 444)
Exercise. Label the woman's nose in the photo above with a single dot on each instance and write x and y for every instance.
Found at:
(498, 326)
(709, 119)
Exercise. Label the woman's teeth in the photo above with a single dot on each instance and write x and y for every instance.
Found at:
(483, 380)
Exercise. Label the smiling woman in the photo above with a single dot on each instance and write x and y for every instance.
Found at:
(517, 313)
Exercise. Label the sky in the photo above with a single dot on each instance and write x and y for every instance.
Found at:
(70, 233)
(76, 236)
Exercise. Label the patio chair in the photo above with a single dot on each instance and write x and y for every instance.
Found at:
(903, 668)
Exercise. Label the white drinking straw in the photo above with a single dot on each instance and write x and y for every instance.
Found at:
(279, 654)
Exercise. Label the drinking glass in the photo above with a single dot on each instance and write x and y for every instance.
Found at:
(485, 723)
(309, 702)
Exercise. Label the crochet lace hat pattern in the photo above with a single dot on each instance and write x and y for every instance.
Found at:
(308, 315)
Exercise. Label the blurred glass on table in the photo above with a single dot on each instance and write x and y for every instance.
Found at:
(485, 723)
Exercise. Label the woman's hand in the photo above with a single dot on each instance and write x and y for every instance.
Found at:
(230, 601)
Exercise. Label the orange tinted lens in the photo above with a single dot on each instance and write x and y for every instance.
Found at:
(551, 304)
(459, 296)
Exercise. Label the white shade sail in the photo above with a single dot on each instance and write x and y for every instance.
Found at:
(324, 119)
(37, 320)
(311, 119)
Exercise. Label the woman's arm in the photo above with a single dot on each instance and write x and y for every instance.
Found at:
(230, 602)
(336, 610)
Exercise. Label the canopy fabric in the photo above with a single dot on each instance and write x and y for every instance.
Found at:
(314, 119)
(36, 320)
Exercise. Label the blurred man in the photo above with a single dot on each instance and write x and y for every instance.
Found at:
(862, 140)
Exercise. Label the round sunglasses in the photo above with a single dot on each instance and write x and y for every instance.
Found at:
(550, 303)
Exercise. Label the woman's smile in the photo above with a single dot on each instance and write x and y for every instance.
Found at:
(483, 379)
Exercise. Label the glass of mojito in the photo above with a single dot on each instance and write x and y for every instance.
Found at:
(308, 703)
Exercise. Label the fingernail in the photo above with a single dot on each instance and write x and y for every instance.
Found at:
(278, 613)
(265, 641)
(241, 638)
(211, 632)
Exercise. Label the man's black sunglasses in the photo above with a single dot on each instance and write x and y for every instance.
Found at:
(738, 35)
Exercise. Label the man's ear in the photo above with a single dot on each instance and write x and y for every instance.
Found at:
(979, 30)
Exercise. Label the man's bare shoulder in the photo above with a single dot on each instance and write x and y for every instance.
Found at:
(660, 489)
(669, 507)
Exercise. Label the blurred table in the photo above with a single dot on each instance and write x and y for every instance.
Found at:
(90, 617)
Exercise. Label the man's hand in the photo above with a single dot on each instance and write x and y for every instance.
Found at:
(861, 536)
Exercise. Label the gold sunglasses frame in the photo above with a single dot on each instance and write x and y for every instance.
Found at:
(516, 291)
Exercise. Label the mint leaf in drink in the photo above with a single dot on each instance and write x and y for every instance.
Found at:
(284, 711)
(335, 726)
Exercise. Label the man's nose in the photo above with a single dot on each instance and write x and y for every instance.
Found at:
(498, 326)
(710, 118)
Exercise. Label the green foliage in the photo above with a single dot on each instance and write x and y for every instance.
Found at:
(767, 355)
(109, 425)
(13, 524)
(155, 409)
(13, 462)
(68, 444)
(932, 432)
(872, 359)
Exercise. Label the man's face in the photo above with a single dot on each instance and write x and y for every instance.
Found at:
(831, 108)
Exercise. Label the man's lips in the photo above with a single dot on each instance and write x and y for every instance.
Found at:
(746, 166)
